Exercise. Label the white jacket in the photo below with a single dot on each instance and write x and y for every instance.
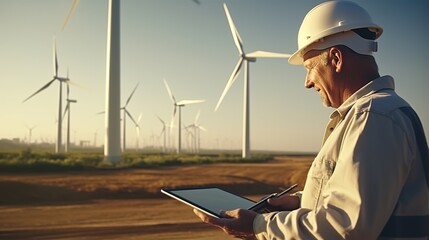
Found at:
(369, 168)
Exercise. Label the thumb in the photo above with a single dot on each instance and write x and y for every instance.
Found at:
(228, 214)
(275, 201)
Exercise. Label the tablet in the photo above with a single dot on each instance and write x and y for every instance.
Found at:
(210, 200)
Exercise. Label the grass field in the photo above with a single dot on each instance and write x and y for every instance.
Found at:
(42, 160)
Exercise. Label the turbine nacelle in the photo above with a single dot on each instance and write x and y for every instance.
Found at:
(62, 79)
(249, 59)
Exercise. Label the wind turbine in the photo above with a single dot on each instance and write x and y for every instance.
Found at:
(112, 144)
(125, 114)
(58, 147)
(189, 133)
(163, 132)
(179, 105)
(196, 127)
(246, 58)
(198, 131)
(67, 111)
(30, 132)
(95, 138)
(138, 131)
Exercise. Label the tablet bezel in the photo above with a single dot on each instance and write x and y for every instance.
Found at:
(189, 202)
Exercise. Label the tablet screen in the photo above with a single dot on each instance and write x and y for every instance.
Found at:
(210, 200)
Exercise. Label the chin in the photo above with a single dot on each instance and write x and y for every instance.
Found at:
(325, 102)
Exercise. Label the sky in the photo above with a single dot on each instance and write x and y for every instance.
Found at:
(189, 44)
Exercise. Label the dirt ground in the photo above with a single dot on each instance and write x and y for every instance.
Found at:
(127, 204)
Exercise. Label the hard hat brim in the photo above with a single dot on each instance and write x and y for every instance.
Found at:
(349, 39)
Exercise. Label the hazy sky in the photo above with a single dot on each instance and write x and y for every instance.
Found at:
(190, 45)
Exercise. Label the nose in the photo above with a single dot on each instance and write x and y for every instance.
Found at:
(308, 83)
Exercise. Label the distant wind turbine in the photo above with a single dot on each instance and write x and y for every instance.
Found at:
(95, 138)
(124, 117)
(244, 57)
(190, 134)
(163, 132)
(137, 125)
(112, 143)
(67, 111)
(30, 132)
(196, 127)
(58, 147)
(179, 104)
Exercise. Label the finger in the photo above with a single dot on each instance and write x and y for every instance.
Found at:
(208, 219)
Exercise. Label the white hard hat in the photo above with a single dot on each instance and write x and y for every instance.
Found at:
(337, 23)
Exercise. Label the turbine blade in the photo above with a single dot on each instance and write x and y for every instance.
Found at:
(160, 119)
(54, 46)
(103, 112)
(235, 35)
(65, 111)
(169, 92)
(131, 117)
(74, 84)
(265, 54)
(131, 95)
(68, 91)
(140, 117)
(230, 82)
(174, 111)
(70, 13)
(202, 128)
(197, 117)
(41, 89)
(186, 102)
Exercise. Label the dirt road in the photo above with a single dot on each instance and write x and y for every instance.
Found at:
(127, 204)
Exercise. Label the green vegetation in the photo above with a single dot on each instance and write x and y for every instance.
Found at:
(28, 160)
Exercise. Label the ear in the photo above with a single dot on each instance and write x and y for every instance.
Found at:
(336, 57)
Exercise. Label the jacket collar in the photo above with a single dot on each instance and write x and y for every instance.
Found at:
(384, 82)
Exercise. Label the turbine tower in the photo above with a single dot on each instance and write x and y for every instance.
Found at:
(67, 111)
(58, 146)
(246, 58)
(112, 140)
(112, 148)
(179, 105)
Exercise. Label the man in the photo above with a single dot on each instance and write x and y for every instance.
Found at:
(370, 179)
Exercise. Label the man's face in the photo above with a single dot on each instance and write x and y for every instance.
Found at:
(320, 77)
